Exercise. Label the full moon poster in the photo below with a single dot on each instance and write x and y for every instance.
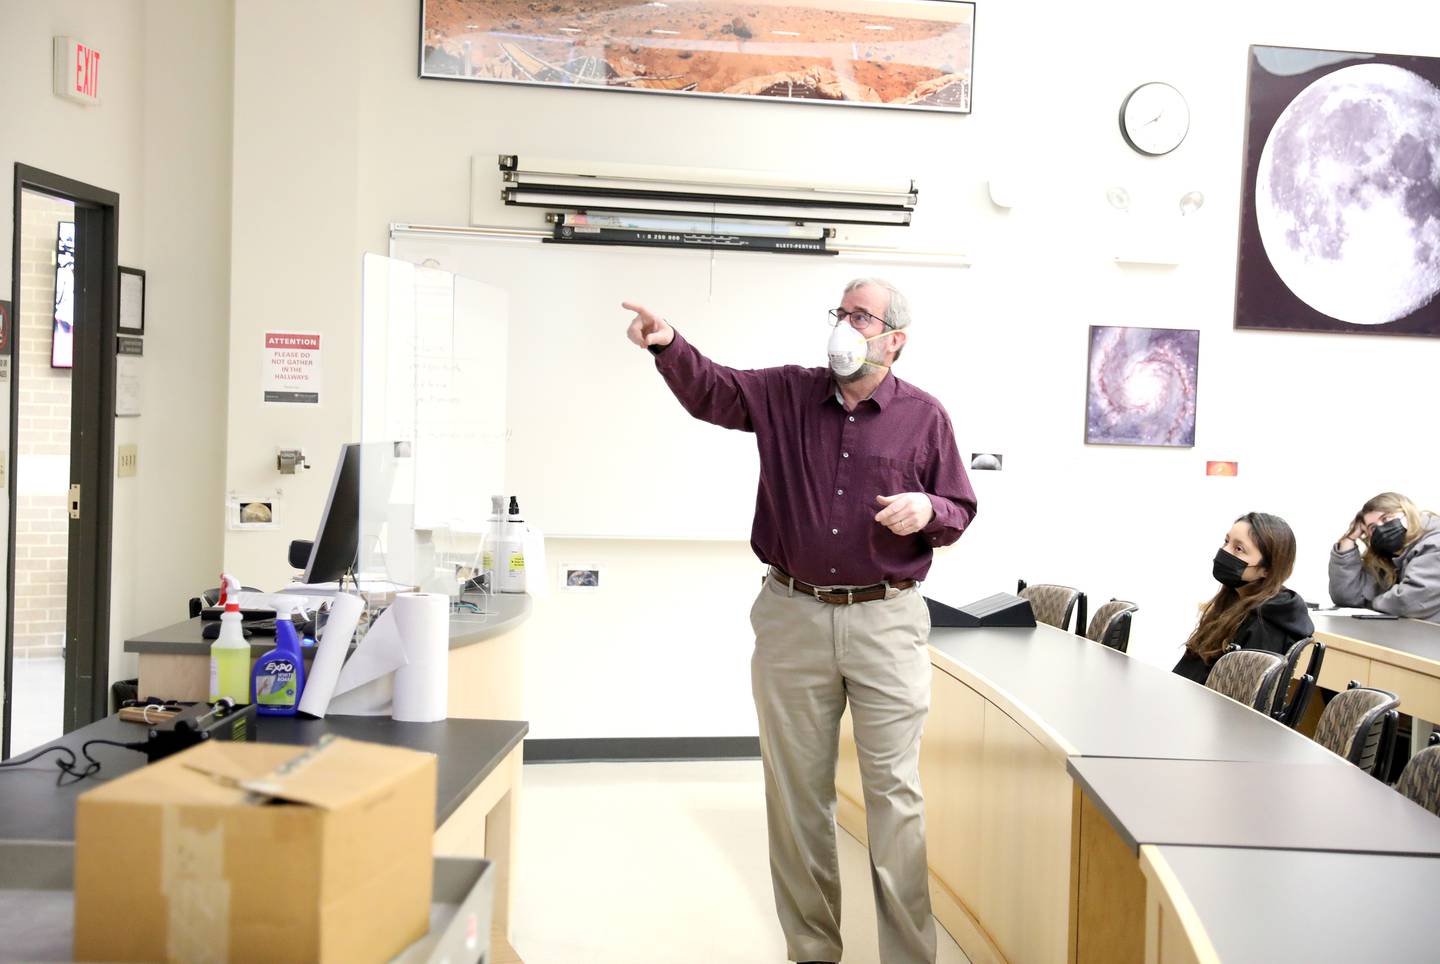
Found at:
(1340, 221)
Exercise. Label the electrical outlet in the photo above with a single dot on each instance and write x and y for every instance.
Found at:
(128, 462)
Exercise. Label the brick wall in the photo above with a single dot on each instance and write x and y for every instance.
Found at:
(43, 450)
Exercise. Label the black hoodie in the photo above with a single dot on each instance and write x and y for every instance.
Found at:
(1275, 625)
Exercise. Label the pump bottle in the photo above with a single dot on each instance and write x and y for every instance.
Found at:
(511, 559)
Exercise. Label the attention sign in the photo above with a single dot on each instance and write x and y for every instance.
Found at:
(292, 367)
(77, 70)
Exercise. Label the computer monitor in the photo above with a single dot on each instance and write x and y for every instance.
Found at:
(337, 542)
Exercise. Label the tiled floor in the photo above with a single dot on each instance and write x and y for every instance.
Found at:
(37, 714)
(631, 863)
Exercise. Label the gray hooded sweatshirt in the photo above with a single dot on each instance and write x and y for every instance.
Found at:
(1416, 592)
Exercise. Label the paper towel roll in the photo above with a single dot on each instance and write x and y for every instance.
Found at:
(333, 644)
(422, 683)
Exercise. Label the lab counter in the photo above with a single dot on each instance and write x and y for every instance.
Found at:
(486, 659)
(478, 767)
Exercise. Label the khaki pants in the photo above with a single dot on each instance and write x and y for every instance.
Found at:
(811, 658)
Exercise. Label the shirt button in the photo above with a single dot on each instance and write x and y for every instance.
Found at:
(834, 532)
(839, 491)
(852, 418)
(844, 455)
(832, 572)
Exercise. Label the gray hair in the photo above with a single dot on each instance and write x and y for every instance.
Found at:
(897, 315)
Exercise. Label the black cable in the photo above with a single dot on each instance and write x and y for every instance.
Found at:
(39, 753)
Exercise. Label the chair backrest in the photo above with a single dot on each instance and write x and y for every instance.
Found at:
(1110, 626)
(1421, 779)
(1289, 707)
(1247, 676)
(1054, 604)
(1359, 725)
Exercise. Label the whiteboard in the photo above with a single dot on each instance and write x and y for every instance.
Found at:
(598, 446)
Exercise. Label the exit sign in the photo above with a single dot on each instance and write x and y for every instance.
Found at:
(77, 70)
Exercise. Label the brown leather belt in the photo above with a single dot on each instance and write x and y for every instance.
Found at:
(839, 597)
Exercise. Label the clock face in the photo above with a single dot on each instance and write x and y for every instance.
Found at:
(1154, 118)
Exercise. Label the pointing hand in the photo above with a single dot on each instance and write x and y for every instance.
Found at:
(647, 328)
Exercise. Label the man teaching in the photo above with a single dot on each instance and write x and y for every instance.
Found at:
(860, 481)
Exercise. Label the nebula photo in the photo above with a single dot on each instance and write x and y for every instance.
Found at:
(1340, 225)
(1141, 389)
(913, 54)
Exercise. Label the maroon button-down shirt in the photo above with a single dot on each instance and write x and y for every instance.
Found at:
(822, 467)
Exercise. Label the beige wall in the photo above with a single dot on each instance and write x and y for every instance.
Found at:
(161, 140)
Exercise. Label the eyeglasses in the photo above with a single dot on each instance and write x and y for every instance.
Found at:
(859, 319)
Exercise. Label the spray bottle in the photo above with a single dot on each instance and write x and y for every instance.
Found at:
(230, 654)
(279, 675)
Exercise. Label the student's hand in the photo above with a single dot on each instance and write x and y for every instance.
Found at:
(1356, 531)
(647, 328)
(905, 514)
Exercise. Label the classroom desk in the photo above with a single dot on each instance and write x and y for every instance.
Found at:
(1399, 655)
(487, 660)
(1314, 906)
(1395, 654)
(1025, 866)
(1276, 806)
(477, 784)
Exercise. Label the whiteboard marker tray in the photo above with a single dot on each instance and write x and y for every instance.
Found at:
(37, 906)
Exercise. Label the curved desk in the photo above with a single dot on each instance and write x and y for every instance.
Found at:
(1399, 655)
(486, 660)
(1029, 863)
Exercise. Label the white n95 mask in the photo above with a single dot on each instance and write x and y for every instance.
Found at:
(847, 349)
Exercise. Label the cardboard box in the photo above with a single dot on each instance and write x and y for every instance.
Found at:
(258, 852)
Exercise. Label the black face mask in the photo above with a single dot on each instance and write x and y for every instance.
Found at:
(1229, 570)
(1388, 538)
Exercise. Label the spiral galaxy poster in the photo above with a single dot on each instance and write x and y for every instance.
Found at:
(1142, 386)
(1340, 222)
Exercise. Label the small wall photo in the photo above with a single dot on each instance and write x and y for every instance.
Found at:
(580, 577)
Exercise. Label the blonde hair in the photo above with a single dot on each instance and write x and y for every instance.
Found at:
(1379, 566)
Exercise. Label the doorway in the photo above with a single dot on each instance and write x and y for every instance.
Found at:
(59, 358)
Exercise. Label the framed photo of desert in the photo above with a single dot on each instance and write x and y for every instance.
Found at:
(1141, 386)
(1340, 212)
(901, 54)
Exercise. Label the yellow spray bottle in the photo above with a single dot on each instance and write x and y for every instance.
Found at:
(230, 654)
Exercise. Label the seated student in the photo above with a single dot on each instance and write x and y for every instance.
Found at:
(1399, 573)
(1253, 609)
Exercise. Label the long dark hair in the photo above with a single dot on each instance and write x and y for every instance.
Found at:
(1223, 614)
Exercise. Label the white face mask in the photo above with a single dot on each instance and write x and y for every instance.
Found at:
(847, 350)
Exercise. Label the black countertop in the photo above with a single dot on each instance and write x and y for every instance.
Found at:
(1277, 806)
(1413, 636)
(1265, 906)
(1105, 703)
(506, 611)
(34, 807)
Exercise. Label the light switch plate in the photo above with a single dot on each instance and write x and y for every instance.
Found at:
(128, 462)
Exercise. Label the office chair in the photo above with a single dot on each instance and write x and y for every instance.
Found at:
(1289, 707)
(1421, 779)
(1110, 626)
(1359, 725)
(1247, 676)
(1054, 604)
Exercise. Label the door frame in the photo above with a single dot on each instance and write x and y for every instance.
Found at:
(92, 446)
